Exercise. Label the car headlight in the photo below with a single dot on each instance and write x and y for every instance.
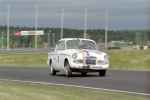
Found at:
(74, 56)
(106, 57)
(101, 62)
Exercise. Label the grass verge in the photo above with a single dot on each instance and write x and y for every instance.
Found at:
(28, 91)
(23, 60)
(135, 59)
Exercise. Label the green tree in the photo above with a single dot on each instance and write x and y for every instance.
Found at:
(39, 42)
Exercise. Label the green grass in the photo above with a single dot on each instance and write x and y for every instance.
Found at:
(28, 91)
(135, 59)
(129, 59)
(24, 60)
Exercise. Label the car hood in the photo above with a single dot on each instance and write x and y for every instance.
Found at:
(87, 53)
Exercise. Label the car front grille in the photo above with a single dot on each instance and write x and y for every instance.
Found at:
(91, 60)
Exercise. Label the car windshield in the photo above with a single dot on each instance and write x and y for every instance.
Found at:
(81, 44)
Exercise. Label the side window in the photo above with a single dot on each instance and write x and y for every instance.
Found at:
(61, 45)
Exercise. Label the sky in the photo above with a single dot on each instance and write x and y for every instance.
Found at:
(122, 14)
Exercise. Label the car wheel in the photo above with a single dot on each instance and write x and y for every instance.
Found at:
(68, 69)
(52, 71)
(83, 73)
(102, 72)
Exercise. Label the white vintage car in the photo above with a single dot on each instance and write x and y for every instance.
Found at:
(77, 55)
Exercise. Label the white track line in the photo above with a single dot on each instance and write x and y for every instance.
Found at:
(128, 92)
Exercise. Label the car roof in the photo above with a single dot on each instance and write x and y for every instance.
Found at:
(66, 39)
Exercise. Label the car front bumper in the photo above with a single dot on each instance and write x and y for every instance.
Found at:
(89, 66)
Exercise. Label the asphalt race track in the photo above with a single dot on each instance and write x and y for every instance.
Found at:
(132, 81)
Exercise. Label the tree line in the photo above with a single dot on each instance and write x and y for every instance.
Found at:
(139, 37)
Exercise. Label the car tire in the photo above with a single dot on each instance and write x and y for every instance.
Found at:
(52, 71)
(83, 73)
(102, 72)
(68, 69)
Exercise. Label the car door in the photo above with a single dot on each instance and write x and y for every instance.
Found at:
(53, 56)
(60, 55)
